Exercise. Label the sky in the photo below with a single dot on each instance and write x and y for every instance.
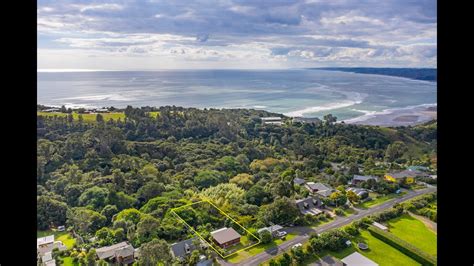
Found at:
(235, 34)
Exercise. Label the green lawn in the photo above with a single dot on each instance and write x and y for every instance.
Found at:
(378, 199)
(67, 261)
(379, 251)
(88, 118)
(258, 249)
(414, 232)
(64, 236)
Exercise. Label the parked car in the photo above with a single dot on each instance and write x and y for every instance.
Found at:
(281, 233)
(297, 245)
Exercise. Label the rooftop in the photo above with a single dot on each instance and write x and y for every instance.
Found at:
(364, 177)
(179, 249)
(271, 229)
(299, 181)
(225, 235)
(357, 259)
(270, 118)
(109, 251)
(45, 240)
(318, 186)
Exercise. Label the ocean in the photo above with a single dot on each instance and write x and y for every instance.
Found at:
(300, 92)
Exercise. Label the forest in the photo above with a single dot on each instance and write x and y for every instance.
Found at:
(118, 180)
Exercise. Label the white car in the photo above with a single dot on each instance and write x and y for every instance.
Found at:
(297, 245)
(281, 233)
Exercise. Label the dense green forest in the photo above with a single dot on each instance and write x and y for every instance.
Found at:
(118, 179)
(430, 74)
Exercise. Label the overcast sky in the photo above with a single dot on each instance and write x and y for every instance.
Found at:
(156, 34)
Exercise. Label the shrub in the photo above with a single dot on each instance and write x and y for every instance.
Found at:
(338, 211)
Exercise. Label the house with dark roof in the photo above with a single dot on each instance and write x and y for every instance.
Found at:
(362, 193)
(309, 205)
(357, 179)
(319, 188)
(121, 253)
(407, 175)
(184, 248)
(299, 181)
(225, 237)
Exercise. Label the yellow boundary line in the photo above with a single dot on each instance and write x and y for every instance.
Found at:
(202, 238)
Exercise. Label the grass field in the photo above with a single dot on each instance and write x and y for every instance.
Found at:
(378, 199)
(379, 251)
(415, 232)
(88, 118)
(258, 249)
(65, 237)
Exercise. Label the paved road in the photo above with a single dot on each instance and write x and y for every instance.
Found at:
(340, 221)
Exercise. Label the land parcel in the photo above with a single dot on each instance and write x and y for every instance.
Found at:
(220, 231)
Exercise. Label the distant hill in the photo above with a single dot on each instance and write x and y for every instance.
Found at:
(429, 74)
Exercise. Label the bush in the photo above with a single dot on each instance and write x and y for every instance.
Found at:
(404, 247)
(352, 230)
(338, 211)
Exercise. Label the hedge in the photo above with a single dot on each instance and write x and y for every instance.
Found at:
(403, 246)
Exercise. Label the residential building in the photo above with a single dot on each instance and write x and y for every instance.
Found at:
(319, 188)
(357, 179)
(357, 259)
(308, 120)
(418, 168)
(273, 120)
(407, 175)
(309, 205)
(47, 244)
(121, 253)
(225, 237)
(274, 229)
(184, 248)
(299, 181)
(48, 260)
(362, 193)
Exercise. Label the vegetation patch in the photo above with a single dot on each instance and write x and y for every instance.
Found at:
(204, 217)
(405, 247)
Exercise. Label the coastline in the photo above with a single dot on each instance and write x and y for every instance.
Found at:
(407, 116)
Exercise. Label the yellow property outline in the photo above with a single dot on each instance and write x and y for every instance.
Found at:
(202, 238)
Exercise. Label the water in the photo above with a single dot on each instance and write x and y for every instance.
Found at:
(308, 93)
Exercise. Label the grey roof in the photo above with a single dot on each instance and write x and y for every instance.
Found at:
(109, 251)
(204, 263)
(125, 251)
(358, 191)
(364, 177)
(44, 240)
(270, 118)
(357, 259)
(407, 173)
(179, 249)
(271, 229)
(225, 235)
(299, 181)
(330, 261)
(325, 193)
(308, 205)
(318, 186)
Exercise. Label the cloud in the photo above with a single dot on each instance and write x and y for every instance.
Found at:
(283, 33)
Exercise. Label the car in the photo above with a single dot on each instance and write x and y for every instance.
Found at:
(298, 245)
(281, 233)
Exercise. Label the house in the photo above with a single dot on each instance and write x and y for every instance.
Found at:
(329, 260)
(357, 259)
(273, 120)
(407, 175)
(48, 260)
(380, 226)
(319, 188)
(362, 193)
(47, 244)
(357, 179)
(299, 181)
(225, 237)
(309, 205)
(418, 168)
(121, 253)
(274, 229)
(184, 248)
(308, 120)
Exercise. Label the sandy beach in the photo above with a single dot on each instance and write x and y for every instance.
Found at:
(398, 117)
